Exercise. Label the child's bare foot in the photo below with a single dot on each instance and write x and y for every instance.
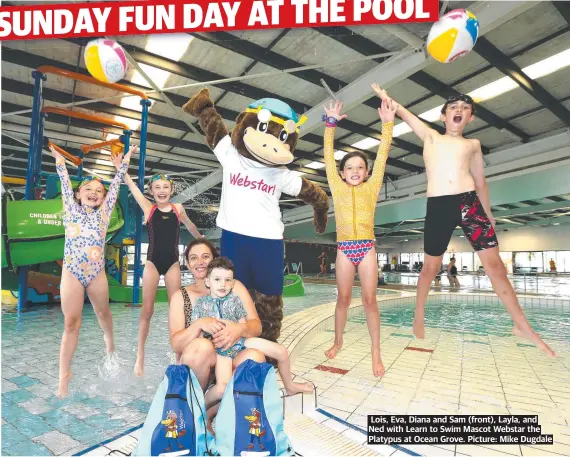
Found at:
(531, 336)
(298, 387)
(62, 388)
(418, 328)
(109, 344)
(377, 365)
(333, 351)
(139, 366)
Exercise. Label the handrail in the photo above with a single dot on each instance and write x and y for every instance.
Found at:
(85, 116)
(91, 147)
(75, 160)
(13, 180)
(90, 80)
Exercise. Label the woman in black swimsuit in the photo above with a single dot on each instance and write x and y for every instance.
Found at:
(452, 273)
(163, 222)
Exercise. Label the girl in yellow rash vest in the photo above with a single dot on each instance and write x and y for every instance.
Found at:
(355, 200)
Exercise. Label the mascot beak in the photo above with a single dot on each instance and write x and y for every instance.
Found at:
(267, 148)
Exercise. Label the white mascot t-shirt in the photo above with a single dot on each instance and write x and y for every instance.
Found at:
(250, 194)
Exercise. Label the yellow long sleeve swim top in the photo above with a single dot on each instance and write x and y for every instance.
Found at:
(354, 206)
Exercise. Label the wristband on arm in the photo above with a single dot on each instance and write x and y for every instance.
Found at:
(329, 120)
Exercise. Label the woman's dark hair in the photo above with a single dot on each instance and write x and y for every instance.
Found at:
(204, 241)
(349, 156)
(221, 262)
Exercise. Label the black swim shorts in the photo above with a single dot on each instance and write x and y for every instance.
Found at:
(446, 212)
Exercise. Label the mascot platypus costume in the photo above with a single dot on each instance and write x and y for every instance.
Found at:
(253, 159)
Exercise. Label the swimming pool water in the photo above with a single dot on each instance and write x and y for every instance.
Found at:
(318, 294)
(477, 318)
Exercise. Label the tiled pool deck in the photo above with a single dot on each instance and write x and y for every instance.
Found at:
(452, 372)
(449, 372)
(35, 422)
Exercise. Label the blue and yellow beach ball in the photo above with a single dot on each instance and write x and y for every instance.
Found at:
(105, 60)
(453, 36)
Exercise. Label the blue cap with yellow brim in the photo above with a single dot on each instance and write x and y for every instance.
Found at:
(277, 111)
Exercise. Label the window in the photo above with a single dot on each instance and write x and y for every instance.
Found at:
(382, 259)
(417, 257)
(131, 254)
(561, 261)
(527, 262)
(506, 257)
(465, 261)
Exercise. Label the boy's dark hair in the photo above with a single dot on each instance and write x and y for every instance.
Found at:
(220, 262)
(349, 156)
(204, 241)
(459, 98)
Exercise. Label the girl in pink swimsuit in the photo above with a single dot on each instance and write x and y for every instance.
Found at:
(86, 219)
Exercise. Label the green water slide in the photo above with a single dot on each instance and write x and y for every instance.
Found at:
(32, 231)
(124, 294)
(293, 286)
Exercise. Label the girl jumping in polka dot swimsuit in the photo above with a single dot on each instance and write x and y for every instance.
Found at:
(86, 217)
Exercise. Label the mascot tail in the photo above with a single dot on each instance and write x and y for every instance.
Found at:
(270, 310)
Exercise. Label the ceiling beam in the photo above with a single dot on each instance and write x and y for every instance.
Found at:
(520, 52)
(490, 14)
(274, 59)
(154, 158)
(444, 91)
(495, 57)
(199, 187)
(488, 20)
(339, 146)
(365, 46)
(194, 73)
(526, 211)
(151, 137)
(499, 228)
(564, 9)
(33, 61)
(386, 74)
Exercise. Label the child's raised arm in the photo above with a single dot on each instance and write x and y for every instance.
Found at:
(386, 112)
(144, 203)
(419, 127)
(66, 188)
(122, 165)
(333, 115)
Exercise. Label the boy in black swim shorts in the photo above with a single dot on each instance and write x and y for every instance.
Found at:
(458, 195)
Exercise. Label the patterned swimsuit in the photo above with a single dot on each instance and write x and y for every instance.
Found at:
(86, 228)
(354, 206)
